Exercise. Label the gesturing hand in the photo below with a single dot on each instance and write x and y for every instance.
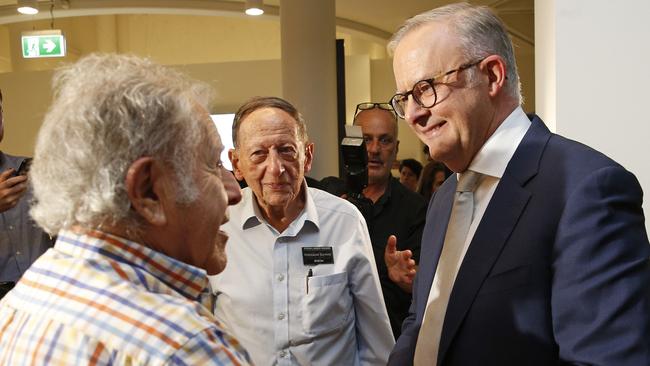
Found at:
(400, 264)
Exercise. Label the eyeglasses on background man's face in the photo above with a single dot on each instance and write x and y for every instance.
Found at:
(424, 91)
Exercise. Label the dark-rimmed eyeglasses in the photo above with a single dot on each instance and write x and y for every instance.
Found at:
(424, 91)
(370, 105)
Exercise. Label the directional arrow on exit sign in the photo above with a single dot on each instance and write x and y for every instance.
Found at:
(37, 44)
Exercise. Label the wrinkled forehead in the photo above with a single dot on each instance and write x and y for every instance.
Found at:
(425, 52)
(377, 121)
(269, 124)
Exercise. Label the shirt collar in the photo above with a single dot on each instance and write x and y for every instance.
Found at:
(251, 214)
(493, 158)
(191, 282)
(388, 192)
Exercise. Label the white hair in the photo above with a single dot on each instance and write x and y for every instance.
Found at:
(108, 111)
(480, 31)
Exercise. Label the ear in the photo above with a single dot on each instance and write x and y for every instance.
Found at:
(142, 181)
(396, 147)
(495, 66)
(309, 156)
(234, 160)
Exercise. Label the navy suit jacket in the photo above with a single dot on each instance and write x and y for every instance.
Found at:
(557, 271)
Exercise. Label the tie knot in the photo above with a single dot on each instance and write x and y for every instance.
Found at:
(468, 181)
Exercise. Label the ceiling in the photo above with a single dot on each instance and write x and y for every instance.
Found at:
(375, 18)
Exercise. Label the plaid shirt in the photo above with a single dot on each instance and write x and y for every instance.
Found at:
(96, 299)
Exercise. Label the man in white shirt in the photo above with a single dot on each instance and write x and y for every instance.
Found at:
(542, 260)
(302, 287)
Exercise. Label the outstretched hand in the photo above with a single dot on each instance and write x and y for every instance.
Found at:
(400, 264)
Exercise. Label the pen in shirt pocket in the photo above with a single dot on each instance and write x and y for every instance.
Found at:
(309, 274)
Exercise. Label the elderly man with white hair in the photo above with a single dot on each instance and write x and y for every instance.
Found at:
(127, 174)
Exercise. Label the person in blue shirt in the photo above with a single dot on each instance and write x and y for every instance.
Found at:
(21, 241)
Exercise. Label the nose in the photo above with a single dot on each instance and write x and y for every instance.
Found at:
(372, 146)
(413, 111)
(232, 188)
(274, 166)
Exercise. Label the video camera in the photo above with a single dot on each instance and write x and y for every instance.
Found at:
(355, 160)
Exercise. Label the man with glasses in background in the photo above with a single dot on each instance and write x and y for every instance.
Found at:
(21, 241)
(396, 217)
(535, 252)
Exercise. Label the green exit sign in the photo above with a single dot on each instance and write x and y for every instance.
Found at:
(43, 44)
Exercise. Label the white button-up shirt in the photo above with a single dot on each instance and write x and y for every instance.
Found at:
(337, 318)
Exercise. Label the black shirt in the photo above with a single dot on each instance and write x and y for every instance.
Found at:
(402, 213)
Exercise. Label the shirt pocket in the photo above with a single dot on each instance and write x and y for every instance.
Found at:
(327, 305)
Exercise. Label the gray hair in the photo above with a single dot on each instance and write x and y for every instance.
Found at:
(257, 103)
(108, 111)
(480, 31)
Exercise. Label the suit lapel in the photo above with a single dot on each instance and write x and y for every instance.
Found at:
(498, 222)
(434, 233)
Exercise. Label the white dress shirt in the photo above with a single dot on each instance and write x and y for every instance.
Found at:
(262, 294)
(491, 161)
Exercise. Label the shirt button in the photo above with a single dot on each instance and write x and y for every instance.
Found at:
(281, 316)
(18, 253)
(280, 277)
(11, 227)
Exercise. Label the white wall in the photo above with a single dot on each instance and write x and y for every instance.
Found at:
(357, 84)
(600, 51)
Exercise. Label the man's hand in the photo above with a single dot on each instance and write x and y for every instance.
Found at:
(400, 264)
(11, 189)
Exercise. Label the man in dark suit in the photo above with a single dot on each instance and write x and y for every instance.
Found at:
(553, 265)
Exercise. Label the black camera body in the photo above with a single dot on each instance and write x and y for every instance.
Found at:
(355, 160)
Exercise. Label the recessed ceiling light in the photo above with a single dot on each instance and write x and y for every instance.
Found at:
(28, 7)
(253, 7)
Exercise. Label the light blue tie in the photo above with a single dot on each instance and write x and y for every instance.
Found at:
(426, 349)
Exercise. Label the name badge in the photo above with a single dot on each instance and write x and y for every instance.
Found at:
(317, 255)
